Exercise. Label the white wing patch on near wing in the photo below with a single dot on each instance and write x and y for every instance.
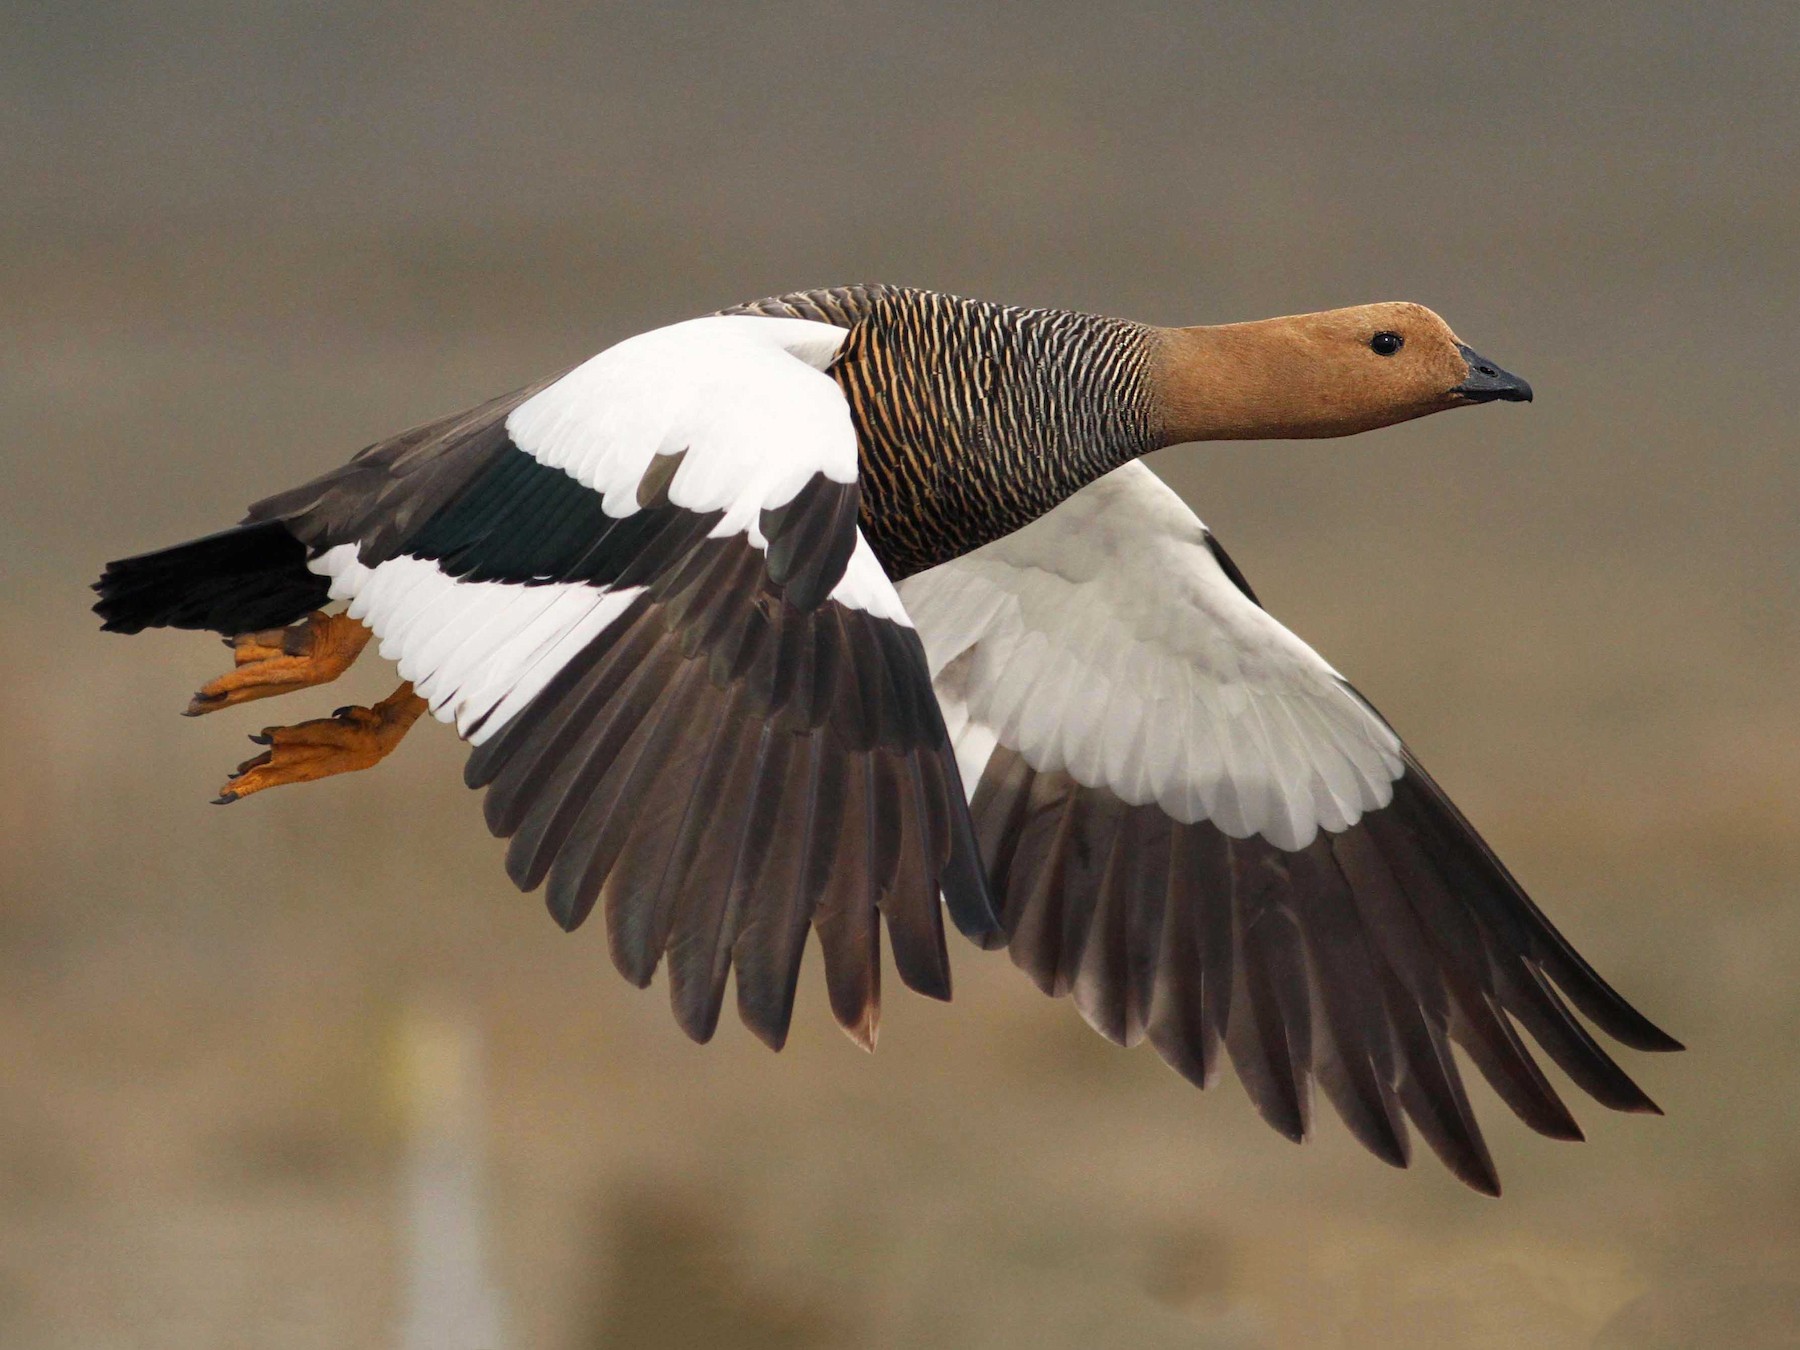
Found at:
(745, 398)
(476, 651)
(866, 586)
(1105, 640)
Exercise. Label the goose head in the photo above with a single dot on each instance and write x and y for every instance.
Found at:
(1332, 373)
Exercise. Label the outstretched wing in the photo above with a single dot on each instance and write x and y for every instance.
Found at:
(1197, 828)
(695, 697)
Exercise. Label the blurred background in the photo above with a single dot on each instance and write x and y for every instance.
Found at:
(296, 1073)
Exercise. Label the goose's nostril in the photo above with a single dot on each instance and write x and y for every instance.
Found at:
(1488, 381)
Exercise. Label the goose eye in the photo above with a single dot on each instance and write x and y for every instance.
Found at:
(1386, 344)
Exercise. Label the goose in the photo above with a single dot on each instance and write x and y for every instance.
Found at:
(854, 608)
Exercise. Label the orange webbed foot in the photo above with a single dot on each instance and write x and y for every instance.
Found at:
(316, 650)
(350, 739)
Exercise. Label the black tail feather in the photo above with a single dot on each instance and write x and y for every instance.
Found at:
(236, 581)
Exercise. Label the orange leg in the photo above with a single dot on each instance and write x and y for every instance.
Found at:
(280, 660)
(350, 739)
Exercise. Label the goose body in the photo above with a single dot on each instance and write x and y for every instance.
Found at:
(799, 616)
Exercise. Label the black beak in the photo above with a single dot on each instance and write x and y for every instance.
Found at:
(1488, 382)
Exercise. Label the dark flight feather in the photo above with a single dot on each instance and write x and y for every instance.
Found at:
(580, 779)
(1353, 963)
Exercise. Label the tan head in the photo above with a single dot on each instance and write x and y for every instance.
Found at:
(1328, 374)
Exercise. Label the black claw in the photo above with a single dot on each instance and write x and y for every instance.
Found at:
(262, 738)
(225, 799)
(347, 708)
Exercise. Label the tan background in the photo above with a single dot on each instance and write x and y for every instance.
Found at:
(241, 241)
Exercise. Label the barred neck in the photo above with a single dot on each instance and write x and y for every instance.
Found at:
(974, 418)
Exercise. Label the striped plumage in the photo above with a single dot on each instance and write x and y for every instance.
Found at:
(670, 598)
(973, 418)
(841, 306)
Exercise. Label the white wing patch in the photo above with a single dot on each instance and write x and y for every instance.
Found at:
(476, 651)
(745, 398)
(866, 586)
(1104, 640)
